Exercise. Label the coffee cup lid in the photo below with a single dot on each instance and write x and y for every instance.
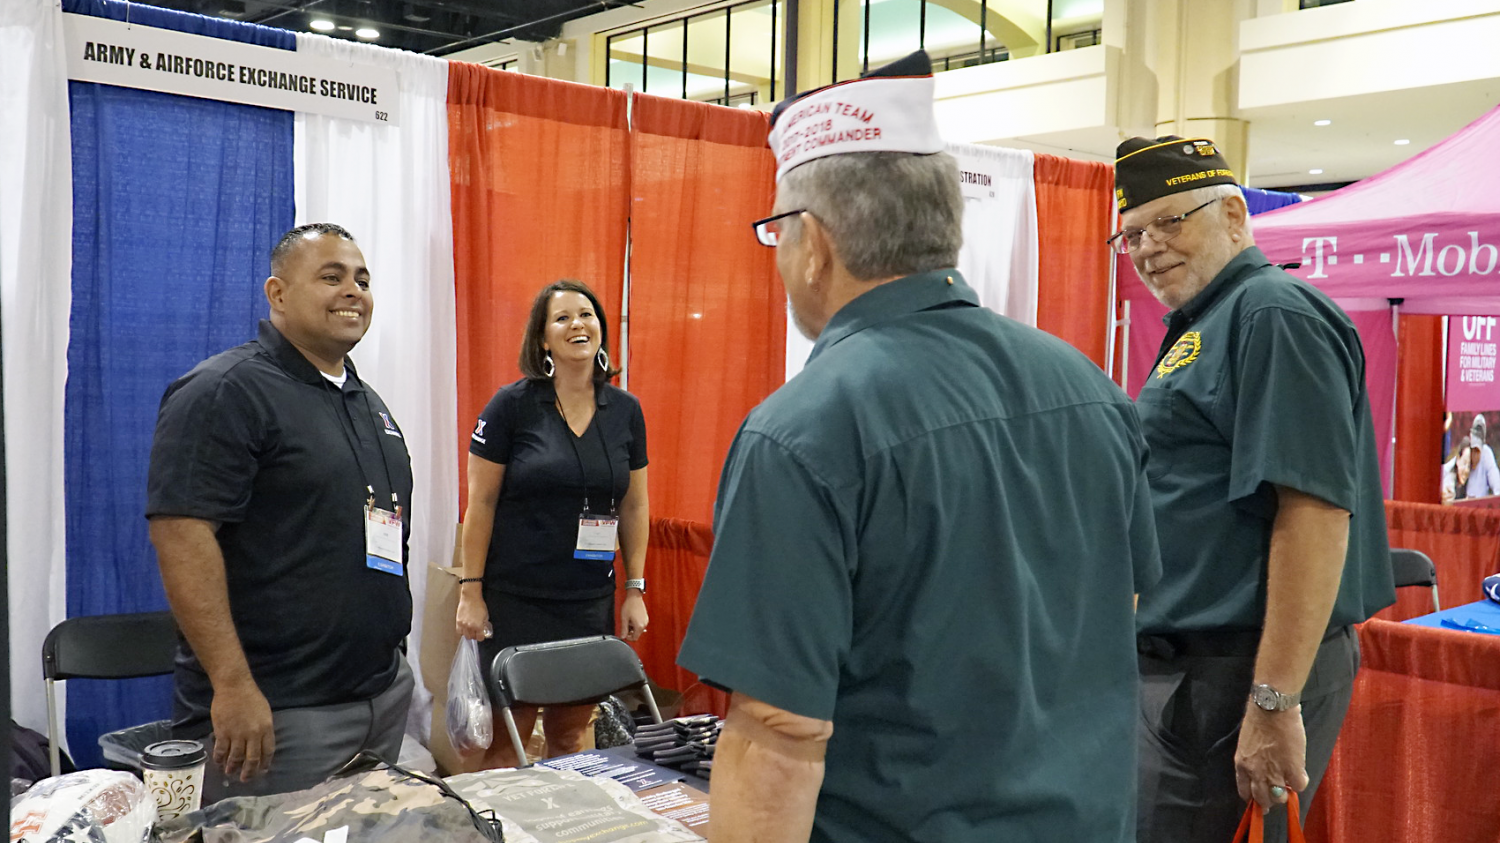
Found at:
(173, 755)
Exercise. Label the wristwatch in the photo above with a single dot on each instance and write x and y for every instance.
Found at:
(1270, 699)
(638, 584)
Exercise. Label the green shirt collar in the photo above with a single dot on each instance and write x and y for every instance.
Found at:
(912, 294)
(1240, 267)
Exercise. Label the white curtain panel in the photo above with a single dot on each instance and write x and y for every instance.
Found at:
(999, 256)
(36, 259)
(388, 184)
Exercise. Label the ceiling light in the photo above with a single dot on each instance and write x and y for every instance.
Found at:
(232, 9)
(367, 33)
(346, 29)
(1315, 172)
(1322, 122)
(415, 13)
(1402, 142)
(322, 25)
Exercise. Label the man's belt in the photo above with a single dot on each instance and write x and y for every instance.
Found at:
(1218, 643)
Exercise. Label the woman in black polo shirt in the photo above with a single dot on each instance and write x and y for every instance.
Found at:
(557, 464)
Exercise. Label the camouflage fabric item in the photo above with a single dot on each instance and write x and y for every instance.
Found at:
(538, 805)
(382, 805)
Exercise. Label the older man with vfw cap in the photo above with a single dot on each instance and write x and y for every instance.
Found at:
(922, 605)
(1268, 505)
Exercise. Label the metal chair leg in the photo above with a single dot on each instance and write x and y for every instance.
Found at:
(651, 702)
(1435, 606)
(515, 738)
(54, 743)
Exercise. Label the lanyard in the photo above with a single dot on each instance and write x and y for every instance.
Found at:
(339, 414)
(603, 445)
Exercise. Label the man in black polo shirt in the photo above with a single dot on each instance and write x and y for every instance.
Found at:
(279, 495)
(1267, 496)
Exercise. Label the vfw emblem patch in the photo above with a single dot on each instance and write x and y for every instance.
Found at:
(1182, 352)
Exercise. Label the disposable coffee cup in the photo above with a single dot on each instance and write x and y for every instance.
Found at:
(173, 772)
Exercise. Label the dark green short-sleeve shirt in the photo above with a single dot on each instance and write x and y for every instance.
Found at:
(930, 537)
(1260, 383)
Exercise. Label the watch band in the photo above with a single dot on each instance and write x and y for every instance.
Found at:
(637, 584)
(1268, 698)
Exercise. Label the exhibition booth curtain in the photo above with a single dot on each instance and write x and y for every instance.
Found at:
(353, 172)
(1073, 208)
(36, 204)
(1416, 756)
(174, 199)
(1464, 545)
(540, 191)
(707, 311)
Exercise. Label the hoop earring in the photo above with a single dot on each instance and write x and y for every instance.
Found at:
(602, 358)
(548, 367)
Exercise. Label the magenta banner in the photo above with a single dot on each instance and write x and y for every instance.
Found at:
(1472, 381)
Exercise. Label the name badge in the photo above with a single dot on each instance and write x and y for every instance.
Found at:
(383, 541)
(596, 537)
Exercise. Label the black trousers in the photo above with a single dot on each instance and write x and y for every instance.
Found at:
(1191, 709)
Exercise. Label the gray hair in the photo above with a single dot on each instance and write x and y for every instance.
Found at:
(1199, 195)
(889, 214)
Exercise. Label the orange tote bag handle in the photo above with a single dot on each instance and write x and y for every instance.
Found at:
(1253, 825)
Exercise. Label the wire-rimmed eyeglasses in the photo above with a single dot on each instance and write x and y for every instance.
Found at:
(1161, 229)
(768, 230)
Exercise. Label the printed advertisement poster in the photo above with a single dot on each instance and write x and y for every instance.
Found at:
(1473, 404)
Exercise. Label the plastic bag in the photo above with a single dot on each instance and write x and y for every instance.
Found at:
(471, 726)
(100, 806)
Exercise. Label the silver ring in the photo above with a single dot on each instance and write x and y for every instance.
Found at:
(1278, 791)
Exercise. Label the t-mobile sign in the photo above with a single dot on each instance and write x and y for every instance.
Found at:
(1472, 382)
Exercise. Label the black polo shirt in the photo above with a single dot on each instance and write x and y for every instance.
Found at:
(1259, 383)
(549, 473)
(258, 441)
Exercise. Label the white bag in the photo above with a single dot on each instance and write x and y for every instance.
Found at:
(471, 726)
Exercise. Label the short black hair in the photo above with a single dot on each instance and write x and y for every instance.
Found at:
(532, 352)
(289, 240)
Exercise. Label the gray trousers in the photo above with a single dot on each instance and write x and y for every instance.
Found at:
(1191, 709)
(315, 742)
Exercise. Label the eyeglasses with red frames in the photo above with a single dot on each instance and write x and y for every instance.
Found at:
(768, 230)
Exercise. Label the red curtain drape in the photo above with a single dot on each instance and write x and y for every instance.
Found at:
(1417, 755)
(1464, 545)
(540, 181)
(707, 311)
(1419, 409)
(678, 556)
(1073, 209)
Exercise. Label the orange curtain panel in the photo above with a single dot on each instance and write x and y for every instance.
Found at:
(707, 311)
(1074, 211)
(1464, 545)
(1419, 409)
(541, 190)
(1417, 755)
(678, 554)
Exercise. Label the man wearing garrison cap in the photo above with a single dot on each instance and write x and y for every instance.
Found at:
(926, 543)
(1268, 504)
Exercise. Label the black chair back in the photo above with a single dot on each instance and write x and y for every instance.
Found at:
(110, 647)
(577, 671)
(1415, 568)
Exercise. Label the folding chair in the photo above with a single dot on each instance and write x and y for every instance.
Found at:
(1415, 568)
(577, 671)
(105, 647)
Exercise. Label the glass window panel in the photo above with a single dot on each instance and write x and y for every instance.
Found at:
(750, 56)
(895, 30)
(626, 63)
(664, 59)
(706, 44)
(952, 38)
(850, 39)
(1076, 23)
